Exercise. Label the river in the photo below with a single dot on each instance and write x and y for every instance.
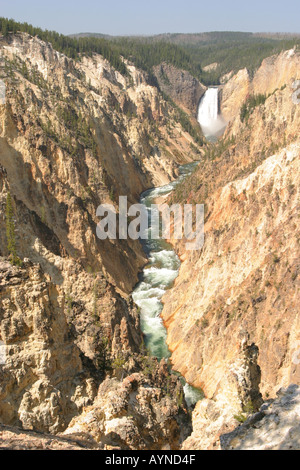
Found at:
(163, 266)
(158, 276)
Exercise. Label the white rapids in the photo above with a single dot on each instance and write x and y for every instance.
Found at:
(158, 276)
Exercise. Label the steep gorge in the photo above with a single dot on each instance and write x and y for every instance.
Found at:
(233, 327)
(73, 135)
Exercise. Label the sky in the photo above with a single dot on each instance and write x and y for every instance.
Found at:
(135, 17)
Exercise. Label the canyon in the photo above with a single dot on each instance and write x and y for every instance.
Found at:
(233, 328)
(75, 134)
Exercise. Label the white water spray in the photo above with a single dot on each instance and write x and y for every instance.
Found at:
(158, 276)
(210, 120)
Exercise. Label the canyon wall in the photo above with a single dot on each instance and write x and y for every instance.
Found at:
(275, 72)
(242, 295)
(76, 134)
(73, 135)
(181, 86)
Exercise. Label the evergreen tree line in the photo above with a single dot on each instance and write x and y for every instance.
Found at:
(231, 50)
(232, 55)
(144, 56)
(71, 47)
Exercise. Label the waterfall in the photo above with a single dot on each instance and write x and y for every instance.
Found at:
(210, 120)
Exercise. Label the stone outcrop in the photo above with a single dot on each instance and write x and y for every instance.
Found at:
(211, 67)
(18, 439)
(276, 72)
(181, 86)
(134, 413)
(275, 427)
(239, 396)
(43, 380)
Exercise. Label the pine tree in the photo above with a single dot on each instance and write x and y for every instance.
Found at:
(4, 28)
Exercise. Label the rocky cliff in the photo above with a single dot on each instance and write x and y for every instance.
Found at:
(73, 135)
(136, 414)
(275, 72)
(242, 296)
(181, 86)
(275, 427)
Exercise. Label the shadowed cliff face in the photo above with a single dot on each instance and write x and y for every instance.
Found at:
(245, 281)
(181, 86)
(73, 135)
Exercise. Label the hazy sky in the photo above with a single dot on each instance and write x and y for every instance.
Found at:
(156, 16)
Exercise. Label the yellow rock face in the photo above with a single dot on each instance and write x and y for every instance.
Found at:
(234, 94)
(275, 72)
(241, 288)
(73, 135)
